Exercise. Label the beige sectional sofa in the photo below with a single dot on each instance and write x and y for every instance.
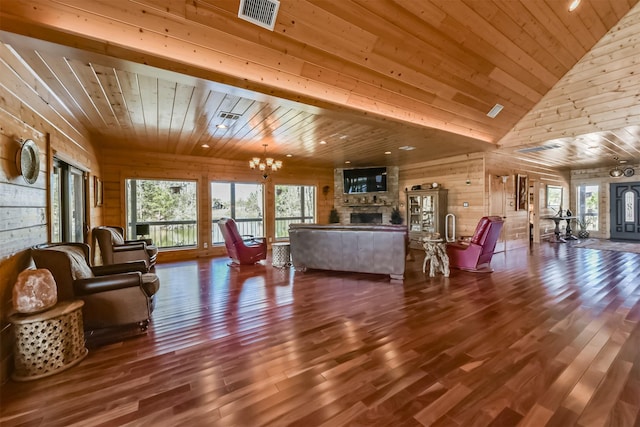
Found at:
(360, 248)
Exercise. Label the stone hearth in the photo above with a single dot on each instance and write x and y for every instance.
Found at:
(366, 218)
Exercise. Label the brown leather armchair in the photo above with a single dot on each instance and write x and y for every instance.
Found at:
(113, 295)
(114, 249)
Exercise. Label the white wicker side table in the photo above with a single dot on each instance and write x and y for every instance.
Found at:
(48, 342)
(281, 254)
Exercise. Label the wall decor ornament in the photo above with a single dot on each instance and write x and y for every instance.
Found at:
(98, 191)
(522, 189)
(28, 161)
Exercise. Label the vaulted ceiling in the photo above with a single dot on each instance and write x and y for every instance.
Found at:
(341, 80)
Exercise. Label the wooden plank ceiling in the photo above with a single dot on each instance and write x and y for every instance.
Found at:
(338, 81)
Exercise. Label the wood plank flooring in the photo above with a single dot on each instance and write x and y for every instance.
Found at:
(551, 338)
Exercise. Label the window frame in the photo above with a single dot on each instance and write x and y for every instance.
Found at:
(241, 222)
(131, 220)
(313, 218)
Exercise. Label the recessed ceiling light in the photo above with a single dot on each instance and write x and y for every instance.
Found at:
(347, 161)
(205, 146)
(323, 142)
(221, 126)
(574, 5)
(407, 148)
(289, 155)
(387, 152)
(495, 110)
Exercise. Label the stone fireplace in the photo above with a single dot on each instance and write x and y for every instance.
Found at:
(366, 208)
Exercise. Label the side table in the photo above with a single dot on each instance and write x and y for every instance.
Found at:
(48, 342)
(281, 254)
(436, 256)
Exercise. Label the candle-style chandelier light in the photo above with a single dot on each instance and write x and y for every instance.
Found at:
(265, 164)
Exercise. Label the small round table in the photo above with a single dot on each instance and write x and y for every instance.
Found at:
(436, 256)
(48, 342)
(281, 254)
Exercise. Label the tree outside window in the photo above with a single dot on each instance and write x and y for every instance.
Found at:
(168, 207)
(244, 202)
(294, 204)
(588, 206)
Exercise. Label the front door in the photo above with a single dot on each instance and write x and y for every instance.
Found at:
(625, 211)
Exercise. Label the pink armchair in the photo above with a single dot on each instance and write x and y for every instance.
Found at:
(242, 251)
(476, 256)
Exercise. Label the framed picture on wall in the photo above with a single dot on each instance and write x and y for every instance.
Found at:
(522, 193)
(98, 191)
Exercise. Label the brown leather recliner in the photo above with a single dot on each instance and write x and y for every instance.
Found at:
(115, 249)
(113, 295)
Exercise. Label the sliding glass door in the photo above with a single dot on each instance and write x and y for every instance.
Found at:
(68, 196)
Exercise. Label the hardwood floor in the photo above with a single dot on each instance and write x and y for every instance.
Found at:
(550, 338)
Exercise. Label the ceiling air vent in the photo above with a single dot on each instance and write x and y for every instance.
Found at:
(540, 148)
(229, 116)
(259, 12)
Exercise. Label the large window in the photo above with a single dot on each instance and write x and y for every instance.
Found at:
(242, 202)
(587, 204)
(168, 208)
(68, 195)
(294, 203)
(554, 197)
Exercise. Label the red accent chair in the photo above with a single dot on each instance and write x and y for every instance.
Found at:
(247, 250)
(476, 256)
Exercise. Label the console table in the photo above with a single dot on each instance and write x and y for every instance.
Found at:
(568, 231)
(48, 342)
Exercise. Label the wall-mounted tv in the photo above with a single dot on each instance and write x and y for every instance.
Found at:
(365, 180)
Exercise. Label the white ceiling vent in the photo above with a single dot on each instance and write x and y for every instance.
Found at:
(539, 148)
(495, 110)
(259, 12)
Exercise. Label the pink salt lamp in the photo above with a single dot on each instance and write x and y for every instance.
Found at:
(34, 291)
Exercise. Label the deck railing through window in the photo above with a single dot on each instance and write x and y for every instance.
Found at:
(248, 226)
(172, 234)
(282, 224)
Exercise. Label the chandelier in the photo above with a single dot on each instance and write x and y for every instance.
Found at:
(265, 164)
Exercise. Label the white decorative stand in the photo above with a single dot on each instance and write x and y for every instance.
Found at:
(436, 256)
(281, 254)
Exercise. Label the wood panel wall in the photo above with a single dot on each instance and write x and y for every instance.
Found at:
(119, 166)
(452, 174)
(516, 233)
(28, 110)
(483, 171)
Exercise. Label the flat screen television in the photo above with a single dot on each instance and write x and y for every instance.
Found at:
(365, 180)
